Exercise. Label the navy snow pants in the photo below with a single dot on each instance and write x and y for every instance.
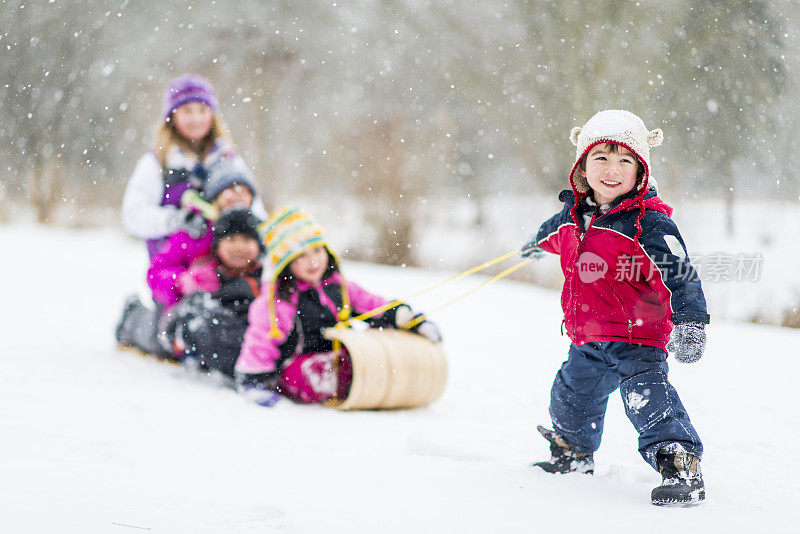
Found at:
(593, 371)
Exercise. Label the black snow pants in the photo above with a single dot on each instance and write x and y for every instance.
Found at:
(208, 330)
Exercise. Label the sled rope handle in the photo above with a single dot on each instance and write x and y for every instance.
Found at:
(477, 268)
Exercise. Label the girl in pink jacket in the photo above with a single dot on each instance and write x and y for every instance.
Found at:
(284, 351)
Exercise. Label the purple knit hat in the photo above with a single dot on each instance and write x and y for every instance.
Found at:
(188, 88)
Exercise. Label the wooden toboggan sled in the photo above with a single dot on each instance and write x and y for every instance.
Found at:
(391, 369)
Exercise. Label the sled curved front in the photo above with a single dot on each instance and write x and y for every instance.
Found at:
(391, 369)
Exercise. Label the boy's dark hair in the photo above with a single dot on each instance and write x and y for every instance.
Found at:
(614, 149)
(286, 283)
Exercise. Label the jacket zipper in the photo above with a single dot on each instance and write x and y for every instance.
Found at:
(622, 308)
(581, 237)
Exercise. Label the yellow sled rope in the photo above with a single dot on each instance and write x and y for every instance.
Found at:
(418, 374)
(421, 317)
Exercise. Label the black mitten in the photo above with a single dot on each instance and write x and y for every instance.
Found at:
(532, 250)
(189, 221)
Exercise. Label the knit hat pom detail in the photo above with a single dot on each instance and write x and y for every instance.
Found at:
(655, 137)
(573, 135)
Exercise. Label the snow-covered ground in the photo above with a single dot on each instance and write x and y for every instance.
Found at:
(99, 440)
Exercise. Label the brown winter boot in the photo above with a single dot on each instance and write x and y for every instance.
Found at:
(564, 459)
(682, 483)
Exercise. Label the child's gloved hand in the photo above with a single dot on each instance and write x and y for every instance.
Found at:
(532, 250)
(260, 395)
(192, 199)
(189, 221)
(260, 388)
(429, 330)
(404, 315)
(688, 341)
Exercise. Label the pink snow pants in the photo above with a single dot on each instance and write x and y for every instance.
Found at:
(313, 378)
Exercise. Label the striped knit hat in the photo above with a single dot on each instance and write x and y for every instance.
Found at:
(188, 88)
(289, 233)
(286, 235)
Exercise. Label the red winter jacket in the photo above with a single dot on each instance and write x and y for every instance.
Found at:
(627, 276)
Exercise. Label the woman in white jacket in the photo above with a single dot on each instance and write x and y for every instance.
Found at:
(189, 140)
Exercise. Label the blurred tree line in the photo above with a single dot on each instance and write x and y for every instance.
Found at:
(387, 104)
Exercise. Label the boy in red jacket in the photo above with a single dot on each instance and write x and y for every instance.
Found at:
(630, 294)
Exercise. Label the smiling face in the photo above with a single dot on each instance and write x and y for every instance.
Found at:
(310, 265)
(238, 251)
(235, 196)
(193, 121)
(611, 171)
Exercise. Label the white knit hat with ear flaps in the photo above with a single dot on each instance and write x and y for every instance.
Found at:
(613, 126)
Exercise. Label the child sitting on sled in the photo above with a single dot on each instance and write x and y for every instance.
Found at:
(227, 187)
(284, 351)
(205, 329)
(630, 294)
